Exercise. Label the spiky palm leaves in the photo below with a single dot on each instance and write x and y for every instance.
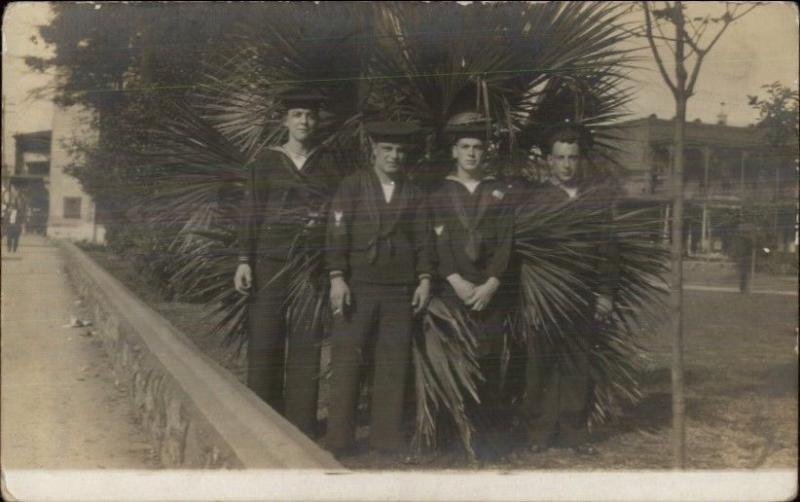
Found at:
(563, 250)
(322, 46)
(522, 64)
(446, 373)
(506, 60)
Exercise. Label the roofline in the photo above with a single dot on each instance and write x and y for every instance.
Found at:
(48, 132)
(652, 119)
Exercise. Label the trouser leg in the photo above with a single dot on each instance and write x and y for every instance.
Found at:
(540, 401)
(302, 377)
(12, 240)
(347, 355)
(492, 419)
(490, 323)
(743, 278)
(575, 390)
(392, 354)
(267, 339)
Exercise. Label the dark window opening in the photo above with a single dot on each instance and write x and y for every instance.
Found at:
(72, 207)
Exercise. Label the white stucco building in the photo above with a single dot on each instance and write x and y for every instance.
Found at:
(72, 213)
(54, 202)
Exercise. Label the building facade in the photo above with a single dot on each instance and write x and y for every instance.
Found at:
(727, 169)
(54, 201)
(72, 212)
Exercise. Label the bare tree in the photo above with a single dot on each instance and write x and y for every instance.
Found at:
(680, 44)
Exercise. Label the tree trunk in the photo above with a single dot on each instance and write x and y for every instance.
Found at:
(676, 286)
(676, 297)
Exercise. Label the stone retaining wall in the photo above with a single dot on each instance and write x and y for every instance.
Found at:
(196, 413)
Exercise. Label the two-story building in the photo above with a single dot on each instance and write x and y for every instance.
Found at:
(725, 168)
(53, 201)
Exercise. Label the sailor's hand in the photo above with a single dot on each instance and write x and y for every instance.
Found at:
(603, 308)
(243, 278)
(421, 295)
(340, 295)
(483, 294)
(463, 288)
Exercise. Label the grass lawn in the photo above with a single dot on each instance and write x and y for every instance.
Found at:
(741, 387)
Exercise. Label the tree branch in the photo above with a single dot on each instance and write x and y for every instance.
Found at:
(640, 34)
(728, 18)
(656, 54)
(664, 37)
(701, 32)
(751, 7)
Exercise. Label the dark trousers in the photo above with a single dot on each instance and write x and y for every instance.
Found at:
(380, 315)
(12, 237)
(743, 268)
(490, 417)
(288, 380)
(558, 390)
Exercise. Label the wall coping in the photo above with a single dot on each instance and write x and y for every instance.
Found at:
(258, 435)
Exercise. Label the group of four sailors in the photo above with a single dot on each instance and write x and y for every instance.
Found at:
(388, 245)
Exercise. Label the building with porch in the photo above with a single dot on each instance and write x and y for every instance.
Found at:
(53, 201)
(726, 168)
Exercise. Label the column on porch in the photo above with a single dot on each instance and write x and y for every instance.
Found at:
(742, 191)
(705, 225)
(668, 205)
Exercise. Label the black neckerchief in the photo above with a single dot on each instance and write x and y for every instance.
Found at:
(475, 239)
(301, 185)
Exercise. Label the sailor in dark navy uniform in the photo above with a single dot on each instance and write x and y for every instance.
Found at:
(473, 225)
(558, 394)
(287, 193)
(379, 256)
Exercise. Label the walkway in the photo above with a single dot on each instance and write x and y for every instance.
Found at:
(60, 408)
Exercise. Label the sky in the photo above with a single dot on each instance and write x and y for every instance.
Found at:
(758, 49)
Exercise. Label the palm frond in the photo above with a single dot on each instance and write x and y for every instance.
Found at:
(446, 375)
(557, 247)
(324, 46)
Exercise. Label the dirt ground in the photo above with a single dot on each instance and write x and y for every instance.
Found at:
(741, 386)
(60, 406)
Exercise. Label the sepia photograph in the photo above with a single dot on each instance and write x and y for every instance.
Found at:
(400, 251)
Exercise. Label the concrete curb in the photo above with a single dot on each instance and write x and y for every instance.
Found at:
(196, 413)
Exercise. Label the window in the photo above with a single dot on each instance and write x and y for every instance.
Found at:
(72, 207)
(39, 168)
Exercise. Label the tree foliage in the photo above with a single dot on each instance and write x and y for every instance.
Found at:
(125, 62)
(779, 114)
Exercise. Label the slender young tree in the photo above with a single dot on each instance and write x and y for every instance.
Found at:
(671, 31)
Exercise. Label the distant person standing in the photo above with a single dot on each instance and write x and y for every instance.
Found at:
(3, 218)
(743, 253)
(13, 227)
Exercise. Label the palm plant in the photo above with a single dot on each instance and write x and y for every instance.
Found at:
(520, 64)
(558, 248)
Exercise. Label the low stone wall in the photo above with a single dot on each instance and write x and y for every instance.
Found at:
(196, 413)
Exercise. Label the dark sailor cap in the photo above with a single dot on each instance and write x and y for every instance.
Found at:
(299, 97)
(467, 125)
(392, 131)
